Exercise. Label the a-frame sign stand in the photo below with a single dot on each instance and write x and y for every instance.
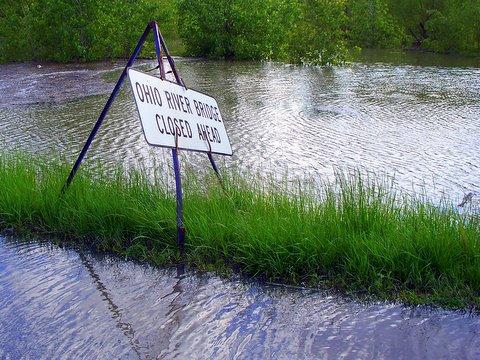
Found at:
(160, 49)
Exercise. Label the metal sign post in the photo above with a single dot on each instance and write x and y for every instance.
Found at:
(160, 49)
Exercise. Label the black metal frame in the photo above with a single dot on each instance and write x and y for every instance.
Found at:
(159, 46)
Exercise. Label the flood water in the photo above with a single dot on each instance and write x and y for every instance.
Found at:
(58, 303)
(410, 116)
(416, 123)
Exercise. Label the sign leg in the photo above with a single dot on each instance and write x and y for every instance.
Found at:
(215, 168)
(176, 163)
(107, 106)
(179, 196)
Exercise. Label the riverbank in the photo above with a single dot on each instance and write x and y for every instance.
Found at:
(355, 236)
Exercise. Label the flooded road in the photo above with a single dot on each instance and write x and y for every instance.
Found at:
(413, 117)
(58, 303)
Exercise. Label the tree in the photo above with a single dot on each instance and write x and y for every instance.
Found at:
(371, 24)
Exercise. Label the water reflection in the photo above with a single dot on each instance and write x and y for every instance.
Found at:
(416, 58)
(60, 303)
(115, 312)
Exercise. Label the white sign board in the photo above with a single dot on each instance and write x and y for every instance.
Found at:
(173, 116)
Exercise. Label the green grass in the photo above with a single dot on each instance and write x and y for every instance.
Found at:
(355, 236)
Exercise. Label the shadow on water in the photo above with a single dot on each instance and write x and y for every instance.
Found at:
(416, 58)
(174, 304)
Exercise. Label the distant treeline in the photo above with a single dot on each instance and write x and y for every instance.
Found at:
(77, 30)
(326, 31)
(309, 31)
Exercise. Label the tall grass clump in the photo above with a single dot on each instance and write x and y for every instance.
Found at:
(354, 235)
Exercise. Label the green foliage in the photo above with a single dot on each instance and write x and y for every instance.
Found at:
(14, 42)
(298, 31)
(448, 26)
(225, 29)
(318, 31)
(84, 30)
(413, 16)
(455, 28)
(353, 235)
(295, 31)
(317, 35)
(254, 27)
(370, 24)
(205, 27)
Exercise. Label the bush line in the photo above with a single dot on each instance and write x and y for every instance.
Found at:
(296, 31)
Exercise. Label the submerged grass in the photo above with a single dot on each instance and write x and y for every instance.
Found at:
(354, 236)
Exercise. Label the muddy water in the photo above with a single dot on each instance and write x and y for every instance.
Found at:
(58, 303)
(415, 117)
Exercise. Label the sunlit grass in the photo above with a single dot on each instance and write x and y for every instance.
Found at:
(355, 235)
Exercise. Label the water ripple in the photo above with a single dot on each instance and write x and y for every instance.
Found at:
(57, 303)
(417, 123)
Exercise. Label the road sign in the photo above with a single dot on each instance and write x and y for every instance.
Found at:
(175, 117)
(168, 118)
